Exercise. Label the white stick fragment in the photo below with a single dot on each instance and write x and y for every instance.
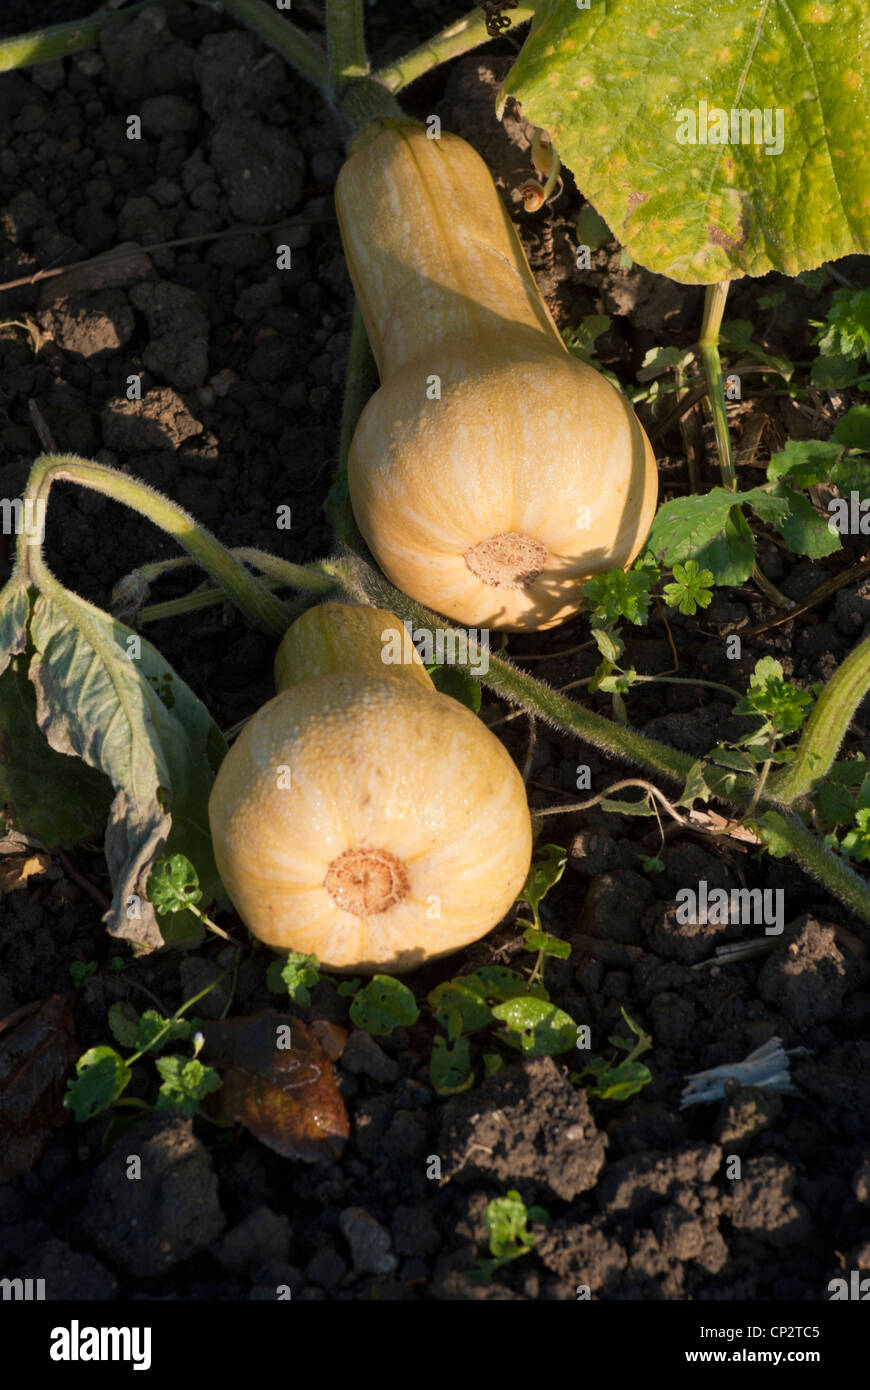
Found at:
(767, 1066)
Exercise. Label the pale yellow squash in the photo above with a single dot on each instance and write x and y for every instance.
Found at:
(363, 817)
(492, 472)
(336, 638)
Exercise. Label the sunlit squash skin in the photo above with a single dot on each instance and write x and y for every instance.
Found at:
(492, 472)
(333, 638)
(362, 816)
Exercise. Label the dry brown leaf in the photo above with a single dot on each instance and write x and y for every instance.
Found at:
(38, 1051)
(286, 1095)
(16, 870)
(720, 825)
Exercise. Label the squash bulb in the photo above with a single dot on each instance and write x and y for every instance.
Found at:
(369, 820)
(492, 473)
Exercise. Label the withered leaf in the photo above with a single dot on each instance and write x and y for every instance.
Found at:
(18, 868)
(285, 1095)
(38, 1051)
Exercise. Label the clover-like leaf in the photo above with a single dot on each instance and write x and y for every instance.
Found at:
(506, 1226)
(804, 462)
(853, 429)
(296, 975)
(856, 842)
(173, 884)
(464, 998)
(804, 530)
(453, 681)
(543, 874)
(691, 588)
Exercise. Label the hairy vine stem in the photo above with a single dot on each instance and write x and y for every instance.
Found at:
(360, 581)
(253, 598)
(826, 727)
(61, 40)
(460, 37)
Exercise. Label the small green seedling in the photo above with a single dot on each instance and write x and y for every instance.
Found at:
(173, 887)
(619, 594)
(610, 1079)
(102, 1074)
(295, 975)
(843, 339)
(507, 1221)
(81, 970)
(543, 874)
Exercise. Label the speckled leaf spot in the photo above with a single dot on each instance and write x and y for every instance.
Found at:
(613, 85)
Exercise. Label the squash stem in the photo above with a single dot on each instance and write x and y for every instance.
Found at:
(60, 40)
(459, 37)
(826, 727)
(708, 349)
(345, 42)
(301, 52)
(360, 382)
(364, 100)
(341, 79)
(253, 598)
(280, 573)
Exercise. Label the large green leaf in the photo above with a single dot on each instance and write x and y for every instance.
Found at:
(611, 83)
(106, 696)
(710, 529)
(44, 795)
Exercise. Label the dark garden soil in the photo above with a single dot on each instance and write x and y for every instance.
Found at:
(242, 368)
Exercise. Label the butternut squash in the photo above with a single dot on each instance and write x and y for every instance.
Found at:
(362, 816)
(492, 473)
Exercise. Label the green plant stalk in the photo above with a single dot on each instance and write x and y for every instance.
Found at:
(255, 601)
(826, 728)
(708, 349)
(189, 603)
(364, 100)
(360, 99)
(301, 52)
(345, 42)
(280, 571)
(827, 868)
(457, 38)
(175, 1017)
(60, 40)
(360, 579)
